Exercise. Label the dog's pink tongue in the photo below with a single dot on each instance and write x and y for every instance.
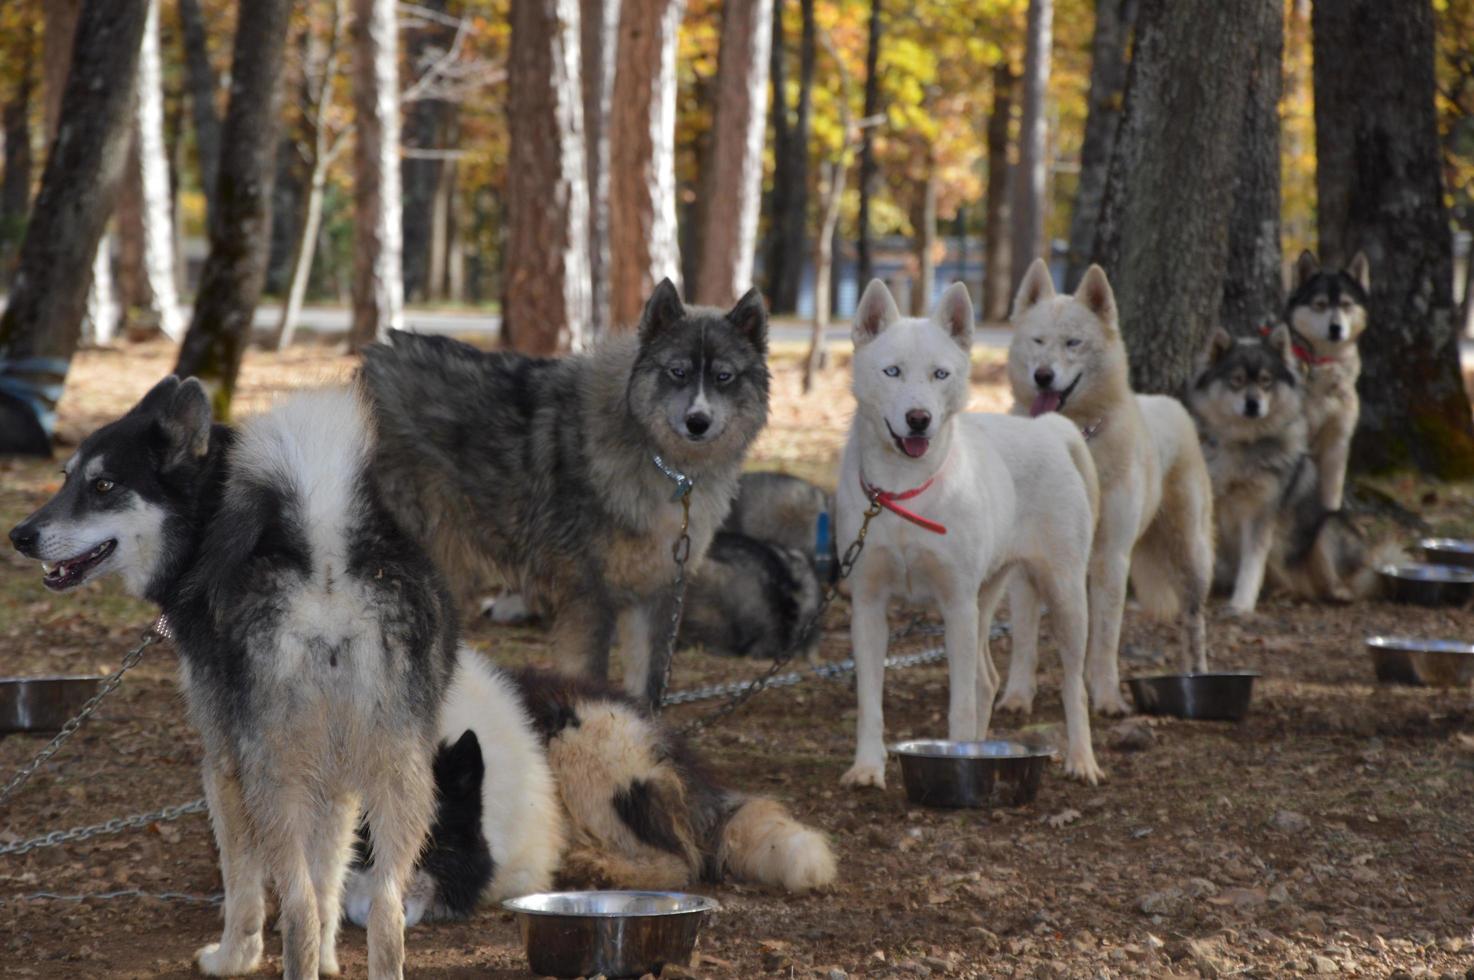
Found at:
(915, 446)
(1045, 401)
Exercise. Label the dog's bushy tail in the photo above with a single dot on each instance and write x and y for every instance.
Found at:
(762, 842)
(1085, 464)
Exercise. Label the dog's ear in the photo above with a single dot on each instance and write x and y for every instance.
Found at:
(750, 317)
(877, 310)
(662, 309)
(158, 397)
(1361, 270)
(1095, 294)
(1280, 341)
(185, 422)
(1305, 267)
(1220, 343)
(1036, 286)
(954, 314)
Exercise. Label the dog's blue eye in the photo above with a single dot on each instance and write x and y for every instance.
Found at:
(678, 373)
(102, 486)
(1073, 342)
(723, 377)
(940, 374)
(892, 372)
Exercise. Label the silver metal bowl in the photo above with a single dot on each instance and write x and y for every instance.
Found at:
(1448, 551)
(1421, 662)
(1213, 696)
(1427, 585)
(616, 933)
(983, 774)
(42, 704)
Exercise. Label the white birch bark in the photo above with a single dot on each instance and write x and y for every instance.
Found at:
(153, 160)
(1028, 202)
(378, 286)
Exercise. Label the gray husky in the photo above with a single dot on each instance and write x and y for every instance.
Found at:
(752, 598)
(315, 646)
(563, 475)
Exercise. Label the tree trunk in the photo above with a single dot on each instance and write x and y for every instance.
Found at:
(788, 203)
(643, 242)
(727, 235)
(41, 325)
(378, 291)
(157, 221)
(426, 119)
(546, 310)
(926, 243)
(997, 278)
(1380, 189)
(1253, 291)
(15, 189)
(1029, 184)
(235, 269)
(832, 196)
(1114, 20)
(303, 254)
(869, 168)
(598, 37)
(201, 84)
(1163, 232)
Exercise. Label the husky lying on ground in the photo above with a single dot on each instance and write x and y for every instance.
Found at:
(751, 598)
(1247, 399)
(315, 644)
(563, 474)
(790, 512)
(984, 495)
(1156, 508)
(544, 778)
(1328, 313)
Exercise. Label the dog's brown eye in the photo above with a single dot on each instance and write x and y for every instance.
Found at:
(102, 486)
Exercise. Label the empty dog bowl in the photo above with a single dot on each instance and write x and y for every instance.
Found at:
(42, 704)
(1448, 551)
(986, 774)
(614, 933)
(1427, 585)
(1423, 663)
(1216, 696)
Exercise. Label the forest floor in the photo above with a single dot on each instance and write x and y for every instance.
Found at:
(1330, 832)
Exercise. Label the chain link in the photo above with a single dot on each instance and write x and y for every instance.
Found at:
(115, 826)
(184, 897)
(155, 633)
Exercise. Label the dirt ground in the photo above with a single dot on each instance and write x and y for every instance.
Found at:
(1330, 832)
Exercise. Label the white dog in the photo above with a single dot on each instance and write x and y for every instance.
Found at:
(968, 499)
(1156, 507)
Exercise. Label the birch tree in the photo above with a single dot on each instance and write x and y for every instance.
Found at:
(158, 288)
(378, 289)
(1029, 185)
(598, 41)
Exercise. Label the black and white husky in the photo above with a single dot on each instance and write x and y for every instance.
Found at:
(315, 645)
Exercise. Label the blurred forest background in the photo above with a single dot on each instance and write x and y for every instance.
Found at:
(547, 161)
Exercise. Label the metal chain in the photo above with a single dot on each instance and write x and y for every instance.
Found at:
(184, 897)
(115, 826)
(158, 631)
(763, 680)
(680, 552)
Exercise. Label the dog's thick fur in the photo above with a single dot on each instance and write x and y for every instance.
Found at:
(542, 470)
(1247, 399)
(578, 786)
(1156, 510)
(788, 511)
(1328, 313)
(1015, 495)
(315, 645)
(751, 598)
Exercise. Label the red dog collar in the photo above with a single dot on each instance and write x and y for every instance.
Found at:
(890, 501)
(1302, 353)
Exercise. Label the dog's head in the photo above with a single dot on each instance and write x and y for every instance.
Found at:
(1329, 306)
(1066, 354)
(911, 374)
(126, 490)
(1247, 384)
(700, 381)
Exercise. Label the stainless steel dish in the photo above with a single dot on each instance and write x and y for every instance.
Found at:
(42, 704)
(616, 933)
(1421, 662)
(982, 774)
(1427, 585)
(1448, 551)
(1211, 696)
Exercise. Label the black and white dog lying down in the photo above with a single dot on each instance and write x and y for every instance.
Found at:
(546, 779)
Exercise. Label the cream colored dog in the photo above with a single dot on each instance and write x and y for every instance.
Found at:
(968, 498)
(1156, 509)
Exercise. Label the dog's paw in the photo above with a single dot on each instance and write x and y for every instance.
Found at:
(218, 960)
(1340, 595)
(1018, 700)
(327, 962)
(1236, 610)
(864, 774)
(1081, 765)
(1110, 704)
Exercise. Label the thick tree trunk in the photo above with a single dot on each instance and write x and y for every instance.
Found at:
(159, 291)
(1030, 180)
(201, 84)
(727, 234)
(869, 167)
(643, 242)
(1253, 292)
(1163, 233)
(1114, 21)
(235, 269)
(41, 325)
(997, 278)
(1380, 189)
(546, 310)
(598, 38)
(378, 291)
(15, 189)
(788, 202)
(426, 122)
